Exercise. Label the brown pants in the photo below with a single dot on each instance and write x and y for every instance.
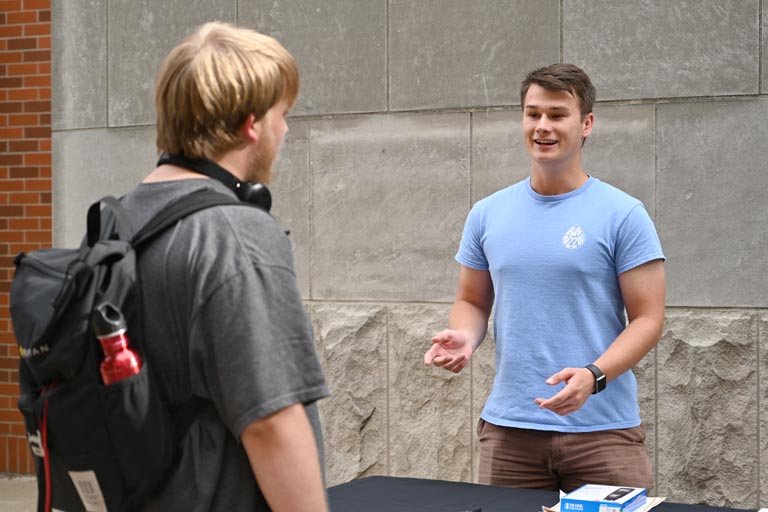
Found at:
(535, 459)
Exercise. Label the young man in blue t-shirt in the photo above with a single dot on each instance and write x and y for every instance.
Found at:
(560, 256)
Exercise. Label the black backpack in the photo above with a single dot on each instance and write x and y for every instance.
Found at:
(97, 447)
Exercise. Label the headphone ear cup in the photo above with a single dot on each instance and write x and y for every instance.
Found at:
(256, 194)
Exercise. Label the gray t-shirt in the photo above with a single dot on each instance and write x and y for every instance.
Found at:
(225, 323)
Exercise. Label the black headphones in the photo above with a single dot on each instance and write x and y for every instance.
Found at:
(247, 191)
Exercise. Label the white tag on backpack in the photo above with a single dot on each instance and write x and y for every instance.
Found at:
(88, 488)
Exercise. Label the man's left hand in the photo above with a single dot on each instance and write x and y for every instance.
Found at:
(579, 384)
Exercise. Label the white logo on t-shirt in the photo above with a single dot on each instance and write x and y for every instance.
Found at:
(574, 237)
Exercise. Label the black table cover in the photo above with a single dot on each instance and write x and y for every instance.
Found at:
(392, 494)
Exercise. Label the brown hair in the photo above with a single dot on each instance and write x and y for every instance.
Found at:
(210, 83)
(562, 77)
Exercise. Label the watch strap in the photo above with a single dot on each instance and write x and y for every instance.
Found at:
(600, 379)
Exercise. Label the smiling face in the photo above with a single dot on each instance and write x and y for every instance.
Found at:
(553, 129)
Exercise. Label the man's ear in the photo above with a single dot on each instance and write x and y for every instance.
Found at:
(250, 130)
(589, 122)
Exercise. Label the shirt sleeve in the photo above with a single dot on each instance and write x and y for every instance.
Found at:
(637, 241)
(252, 350)
(471, 253)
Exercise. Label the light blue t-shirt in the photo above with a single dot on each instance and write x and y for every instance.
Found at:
(554, 262)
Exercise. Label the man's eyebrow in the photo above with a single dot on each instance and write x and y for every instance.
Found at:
(555, 107)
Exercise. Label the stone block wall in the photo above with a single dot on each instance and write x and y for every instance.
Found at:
(409, 113)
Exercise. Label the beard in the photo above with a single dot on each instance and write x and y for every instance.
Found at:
(259, 165)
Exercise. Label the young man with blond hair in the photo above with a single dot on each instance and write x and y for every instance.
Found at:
(560, 256)
(225, 322)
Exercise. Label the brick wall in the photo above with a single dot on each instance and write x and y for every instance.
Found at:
(25, 185)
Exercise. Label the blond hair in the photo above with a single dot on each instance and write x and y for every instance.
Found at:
(210, 83)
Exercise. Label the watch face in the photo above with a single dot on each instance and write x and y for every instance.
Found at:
(600, 383)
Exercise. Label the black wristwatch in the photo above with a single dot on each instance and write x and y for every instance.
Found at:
(599, 378)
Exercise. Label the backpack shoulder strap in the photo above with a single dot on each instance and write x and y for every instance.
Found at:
(186, 205)
(94, 219)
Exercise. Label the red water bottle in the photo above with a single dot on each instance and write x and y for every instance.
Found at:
(120, 361)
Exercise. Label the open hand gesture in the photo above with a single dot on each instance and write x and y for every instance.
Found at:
(450, 350)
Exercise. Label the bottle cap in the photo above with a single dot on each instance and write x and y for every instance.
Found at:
(107, 320)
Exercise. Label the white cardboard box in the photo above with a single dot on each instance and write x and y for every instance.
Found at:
(603, 498)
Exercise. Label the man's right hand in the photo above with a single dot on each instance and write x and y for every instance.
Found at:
(450, 350)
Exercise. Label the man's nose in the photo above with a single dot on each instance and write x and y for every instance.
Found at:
(543, 125)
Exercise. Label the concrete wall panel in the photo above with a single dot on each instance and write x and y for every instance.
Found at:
(93, 163)
(622, 150)
(339, 46)
(654, 49)
(79, 64)
(290, 197)
(707, 395)
(499, 157)
(141, 33)
(388, 207)
(711, 202)
(764, 61)
(450, 53)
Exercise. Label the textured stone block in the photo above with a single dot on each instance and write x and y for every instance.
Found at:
(141, 33)
(430, 429)
(620, 151)
(483, 371)
(707, 389)
(290, 197)
(711, 191)
(664, 49)
(78, 64)
(90, 164)
(763, 411)
(453, 53)
(645, 373)
(390, 194)
(352, 343)
(339, 47)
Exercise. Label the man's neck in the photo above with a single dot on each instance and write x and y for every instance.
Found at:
(554, 182)
(169, 172)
